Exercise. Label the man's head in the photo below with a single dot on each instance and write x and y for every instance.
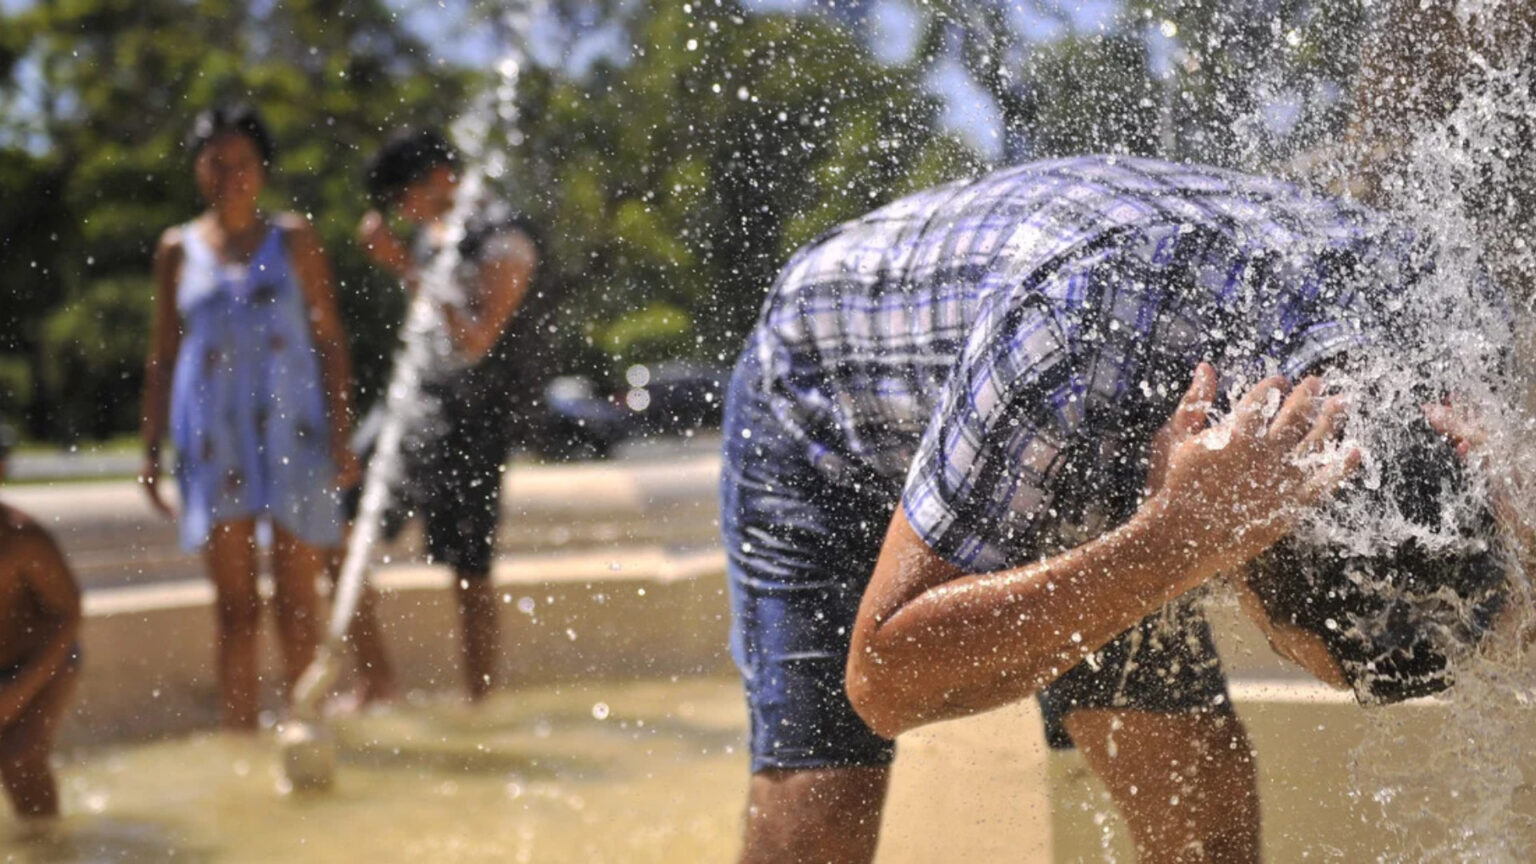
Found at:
(231, 152)
(415, 174)
(1411, 580)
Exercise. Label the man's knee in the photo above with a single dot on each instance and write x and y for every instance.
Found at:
(22, 756)
(474, 590)
(820, 815)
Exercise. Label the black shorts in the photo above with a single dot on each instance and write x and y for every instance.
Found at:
(452, 481)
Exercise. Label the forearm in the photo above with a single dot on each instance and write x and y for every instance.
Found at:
(43, 666)
(473, 337)
(504, 278)
(336, 375)
(985, 640)
(156, 403)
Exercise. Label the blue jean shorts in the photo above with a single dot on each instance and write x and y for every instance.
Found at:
(800, 551)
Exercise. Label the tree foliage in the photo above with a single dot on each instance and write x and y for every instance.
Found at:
(672, 176)
(1244, 83)
(672, 172)
(680, 174)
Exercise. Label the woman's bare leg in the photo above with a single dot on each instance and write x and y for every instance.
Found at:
(296, 571)
(817, 815)
(230, 556)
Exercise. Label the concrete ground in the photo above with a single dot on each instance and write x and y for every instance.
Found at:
(657, 492)
(611, 571)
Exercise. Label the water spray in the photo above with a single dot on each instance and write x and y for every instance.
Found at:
(307, 743)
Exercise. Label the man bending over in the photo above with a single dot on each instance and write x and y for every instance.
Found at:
(983, 442)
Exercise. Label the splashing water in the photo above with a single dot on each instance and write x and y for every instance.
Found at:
(1460, 181)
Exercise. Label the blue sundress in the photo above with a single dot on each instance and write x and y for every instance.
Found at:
(248, 415)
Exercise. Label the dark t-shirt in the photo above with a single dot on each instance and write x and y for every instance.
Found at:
(473, 414)
(488, 405)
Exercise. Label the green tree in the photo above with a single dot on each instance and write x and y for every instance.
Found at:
(683, 173)
(1243, 83)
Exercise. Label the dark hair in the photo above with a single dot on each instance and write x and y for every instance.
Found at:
(1395, 620)
(238, 118)
(7, 441)
(406, 157)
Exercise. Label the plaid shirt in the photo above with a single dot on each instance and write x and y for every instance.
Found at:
(1001, 350)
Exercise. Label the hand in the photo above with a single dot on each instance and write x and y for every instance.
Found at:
(149, 478)
(1466, 432)
(1191, 416)
(380, 244)
(349, 471)
(1232, 490)
(1459, 427)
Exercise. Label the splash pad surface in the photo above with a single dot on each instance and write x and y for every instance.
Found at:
(628, 772)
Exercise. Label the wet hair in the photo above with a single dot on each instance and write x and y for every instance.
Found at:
(238, 118)
(1396, 619)
(408, 156)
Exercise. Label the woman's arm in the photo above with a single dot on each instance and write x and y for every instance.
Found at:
(931, 642)
(313, 271)
(159, 365)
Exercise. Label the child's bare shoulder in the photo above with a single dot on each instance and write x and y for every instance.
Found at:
(21, 532)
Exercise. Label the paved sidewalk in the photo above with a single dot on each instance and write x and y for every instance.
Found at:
(113, 538)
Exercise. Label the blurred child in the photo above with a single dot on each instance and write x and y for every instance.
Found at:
(454, 460)
(39, 623)
(248, 372)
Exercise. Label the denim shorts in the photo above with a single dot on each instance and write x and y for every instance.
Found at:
(800, 551)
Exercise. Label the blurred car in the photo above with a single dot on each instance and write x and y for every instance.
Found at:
(670, 397)
(674, 396)
(581, 422)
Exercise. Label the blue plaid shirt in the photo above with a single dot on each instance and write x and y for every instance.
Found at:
(1001, 350)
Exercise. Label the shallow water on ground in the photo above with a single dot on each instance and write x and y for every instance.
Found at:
(631, 772)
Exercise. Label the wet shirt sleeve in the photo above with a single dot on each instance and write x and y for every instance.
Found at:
(1039, 436)
(1006, 425)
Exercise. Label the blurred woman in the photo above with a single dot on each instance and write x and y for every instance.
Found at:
(249, 375)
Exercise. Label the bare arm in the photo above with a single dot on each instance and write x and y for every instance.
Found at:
(159, 365)
(58, 600)
(505, 275)
(313, 270)
(383, 248)
(931, 642)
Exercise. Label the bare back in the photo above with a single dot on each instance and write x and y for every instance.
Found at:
(28, 560)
